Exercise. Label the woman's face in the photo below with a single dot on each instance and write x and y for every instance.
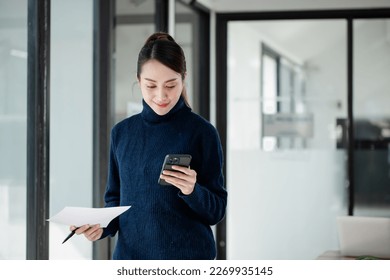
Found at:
(161, 87)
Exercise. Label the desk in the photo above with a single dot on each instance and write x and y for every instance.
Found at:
(334, 255)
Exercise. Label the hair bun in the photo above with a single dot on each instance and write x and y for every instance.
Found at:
(159, 36)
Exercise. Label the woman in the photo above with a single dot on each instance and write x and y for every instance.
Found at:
(164, 222)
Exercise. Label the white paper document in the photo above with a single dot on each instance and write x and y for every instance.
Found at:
(79, 216)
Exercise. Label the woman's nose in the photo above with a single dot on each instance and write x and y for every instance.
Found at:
(161, 94)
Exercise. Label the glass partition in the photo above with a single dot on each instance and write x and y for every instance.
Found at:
(285, 175)
(185, 26)
(134, 24)
(13, 130)
(372, 117)
(71, 115)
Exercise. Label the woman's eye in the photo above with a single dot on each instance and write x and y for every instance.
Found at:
(150, 86)
(171, 86)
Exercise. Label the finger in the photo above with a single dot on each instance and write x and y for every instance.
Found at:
(173, 174)
(96, 234)
(189, 175)
(92, 229)
(187, 172)
(184, 186)
(81, 229)
(182, 169)
(179, 180)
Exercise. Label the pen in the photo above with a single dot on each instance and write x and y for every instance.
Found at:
(70, 234)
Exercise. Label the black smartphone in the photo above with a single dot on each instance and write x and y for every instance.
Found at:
(174, 159)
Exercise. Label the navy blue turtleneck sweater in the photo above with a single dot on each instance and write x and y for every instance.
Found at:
(163, 223)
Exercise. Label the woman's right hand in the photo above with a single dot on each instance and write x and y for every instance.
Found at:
(91, 232)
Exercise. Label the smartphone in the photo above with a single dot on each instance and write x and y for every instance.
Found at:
(174, 159)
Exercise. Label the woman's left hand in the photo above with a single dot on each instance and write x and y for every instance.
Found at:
(184, 178)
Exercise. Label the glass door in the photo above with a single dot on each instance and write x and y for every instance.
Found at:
(372, 117)
(134, 24)
(286, 175)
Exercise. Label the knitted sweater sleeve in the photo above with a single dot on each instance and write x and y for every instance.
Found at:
(209, 198)
(112, 194)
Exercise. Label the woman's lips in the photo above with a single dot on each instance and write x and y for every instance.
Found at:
(163, 105)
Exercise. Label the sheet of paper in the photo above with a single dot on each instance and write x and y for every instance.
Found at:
(79, 216)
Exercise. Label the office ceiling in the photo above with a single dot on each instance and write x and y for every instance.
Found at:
(293, 33)
(300, 37)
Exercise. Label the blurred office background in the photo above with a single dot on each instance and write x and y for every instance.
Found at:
(298, 90)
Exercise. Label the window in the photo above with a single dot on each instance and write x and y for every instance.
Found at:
(286, 124)
(13, 129)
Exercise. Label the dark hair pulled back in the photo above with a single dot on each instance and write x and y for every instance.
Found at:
(163, 48)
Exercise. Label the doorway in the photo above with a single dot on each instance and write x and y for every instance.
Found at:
(288, 87)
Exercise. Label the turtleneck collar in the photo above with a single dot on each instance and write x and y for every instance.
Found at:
(151, 117)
